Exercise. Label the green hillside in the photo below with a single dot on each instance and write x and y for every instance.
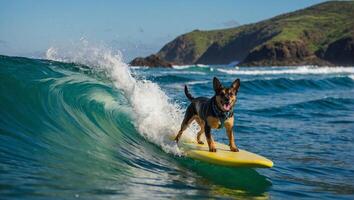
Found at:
(308, 36)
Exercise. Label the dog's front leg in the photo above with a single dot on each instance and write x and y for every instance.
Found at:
(209, 138)
(230, 135)
(229, 124)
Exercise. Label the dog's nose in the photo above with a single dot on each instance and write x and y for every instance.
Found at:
(227, 100)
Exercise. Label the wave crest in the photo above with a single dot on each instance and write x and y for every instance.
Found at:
(156, 118)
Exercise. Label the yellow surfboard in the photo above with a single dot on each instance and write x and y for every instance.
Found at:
(223, 155)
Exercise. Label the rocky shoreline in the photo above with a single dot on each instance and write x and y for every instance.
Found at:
(150, 61)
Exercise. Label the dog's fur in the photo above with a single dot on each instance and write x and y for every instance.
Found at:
(205, 112)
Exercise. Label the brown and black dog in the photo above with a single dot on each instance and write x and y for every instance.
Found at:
(212, 113)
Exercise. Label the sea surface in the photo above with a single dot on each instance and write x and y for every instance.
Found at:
(84, 125)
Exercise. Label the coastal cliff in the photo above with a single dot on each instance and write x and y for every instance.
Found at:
(322, 34)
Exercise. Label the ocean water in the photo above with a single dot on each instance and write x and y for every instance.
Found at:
(83, 125)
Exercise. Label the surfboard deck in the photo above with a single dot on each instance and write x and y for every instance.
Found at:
(223, 155)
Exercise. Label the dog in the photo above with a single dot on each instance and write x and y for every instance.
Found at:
(213, 113)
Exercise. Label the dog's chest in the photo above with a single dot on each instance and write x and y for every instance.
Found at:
(214, 122)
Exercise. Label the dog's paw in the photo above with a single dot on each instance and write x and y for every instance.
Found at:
(200, 142)
(212, 149)
(234, 149)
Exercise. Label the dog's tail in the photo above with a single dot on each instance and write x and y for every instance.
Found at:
(188, 95)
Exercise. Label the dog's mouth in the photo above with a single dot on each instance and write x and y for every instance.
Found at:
(227, 107)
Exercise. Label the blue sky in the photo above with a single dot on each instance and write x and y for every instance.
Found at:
(29, 27)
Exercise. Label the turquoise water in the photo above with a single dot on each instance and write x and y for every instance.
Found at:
(94, 129)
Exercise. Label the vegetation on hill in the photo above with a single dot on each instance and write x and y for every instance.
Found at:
(296, 38)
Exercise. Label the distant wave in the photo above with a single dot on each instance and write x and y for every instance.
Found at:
(295, 109)
(198, 67)
(295, 70)
(138, 67)
(188, 66)
(184, 72)
(279, 85)
(189, 83)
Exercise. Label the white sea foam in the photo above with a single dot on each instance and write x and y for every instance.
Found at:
(189, 66)
(182, 66)
(138, 67)
(184, 72)
(156, 118)
(197, 82)
(293, 70)
(181, 86)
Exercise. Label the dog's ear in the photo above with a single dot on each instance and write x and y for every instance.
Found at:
(235, 85)
(217, 85)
